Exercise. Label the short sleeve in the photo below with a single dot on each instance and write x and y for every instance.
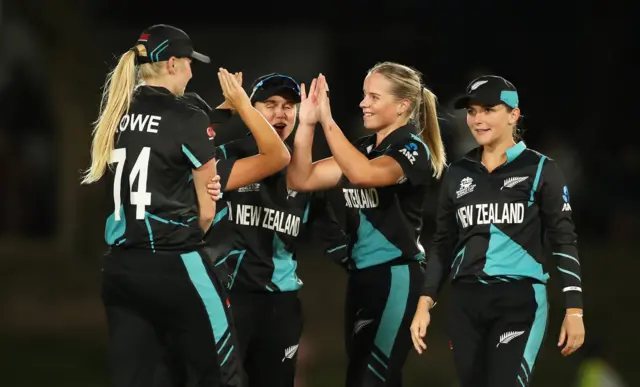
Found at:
(227, 154)
(414, 157)
(197, 140)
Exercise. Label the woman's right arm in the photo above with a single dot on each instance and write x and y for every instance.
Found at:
(303, 174)
(438, 265)
(273, 154)
(442, 246)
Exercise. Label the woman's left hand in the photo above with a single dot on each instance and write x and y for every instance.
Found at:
(322, 96)
(572, 332)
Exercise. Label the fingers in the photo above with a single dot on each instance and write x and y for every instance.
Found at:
(418, 331)
(319, 86)
(415, 339)
(303, 93)
(312, 88)
(322, 88)
(214, 187)
(574, 342)
(233, 80)
(326, 85)
(570, 347)
(422, 329)
(563, 335)
(224, 80)
(238, 77)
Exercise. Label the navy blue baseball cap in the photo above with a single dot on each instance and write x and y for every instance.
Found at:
(163, 41)
(274, 84)
(488, 90)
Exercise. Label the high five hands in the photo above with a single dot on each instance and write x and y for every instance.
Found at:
(314, 104)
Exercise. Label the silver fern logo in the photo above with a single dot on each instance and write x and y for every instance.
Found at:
(508, 336)
(360, 324)
(510, 182)
(290, 352)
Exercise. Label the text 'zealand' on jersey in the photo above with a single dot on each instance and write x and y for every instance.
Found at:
(488, 213)
(384, 223)
(361, 197)
(490, 225)
(268, 218)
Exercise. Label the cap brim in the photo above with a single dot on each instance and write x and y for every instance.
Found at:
(464, 101)
(200, 57)
(461, 102)
(263, 95)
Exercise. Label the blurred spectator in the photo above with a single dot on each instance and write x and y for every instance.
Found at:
(595, 369)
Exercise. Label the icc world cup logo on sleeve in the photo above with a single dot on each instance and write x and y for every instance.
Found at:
(565, 196)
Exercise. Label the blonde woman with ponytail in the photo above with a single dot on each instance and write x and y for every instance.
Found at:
(158, 154)
(384, 178)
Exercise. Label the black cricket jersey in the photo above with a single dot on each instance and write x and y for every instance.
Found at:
(256, 227)
(384, 223)
(159, 142)
(490, 226)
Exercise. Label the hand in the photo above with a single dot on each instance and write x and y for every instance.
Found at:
(322, 95)
(308, 113)
(214, 188)
(225, 104)
(572, 331)
(234, 95)
(421, 321)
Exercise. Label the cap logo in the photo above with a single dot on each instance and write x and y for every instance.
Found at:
(143, 38)
(478, 84)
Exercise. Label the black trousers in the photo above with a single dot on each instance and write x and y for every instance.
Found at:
(269, 327)
(159, 301)
(381, 303)
(496, 331)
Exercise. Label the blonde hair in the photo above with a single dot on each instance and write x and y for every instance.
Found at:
(116, 98)
(407, 84)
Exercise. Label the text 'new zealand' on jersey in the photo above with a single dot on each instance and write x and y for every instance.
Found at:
(490, 226)
(256, 226)
(384, 223)
(159, 142)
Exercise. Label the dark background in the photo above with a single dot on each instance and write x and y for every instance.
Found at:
(568, 60)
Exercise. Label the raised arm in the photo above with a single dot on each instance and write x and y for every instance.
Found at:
(273, 154)
(382, 171)
(303, 174)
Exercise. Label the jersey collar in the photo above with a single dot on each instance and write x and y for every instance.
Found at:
(144, 88)
(512, 153)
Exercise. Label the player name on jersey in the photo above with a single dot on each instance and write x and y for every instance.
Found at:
(361, 197)
(488, 213)
(140, 122)
(248, 215)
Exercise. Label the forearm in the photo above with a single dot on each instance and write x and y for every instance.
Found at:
(267, 139)
(569, 268)
(354, 165)
(434, 277)
(301, 164)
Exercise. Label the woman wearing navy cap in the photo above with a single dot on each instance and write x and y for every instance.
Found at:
(262, 223)
(496, 205)
(157, 282)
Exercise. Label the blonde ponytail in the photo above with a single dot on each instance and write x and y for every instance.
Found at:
(430, 131)
(116, 99)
